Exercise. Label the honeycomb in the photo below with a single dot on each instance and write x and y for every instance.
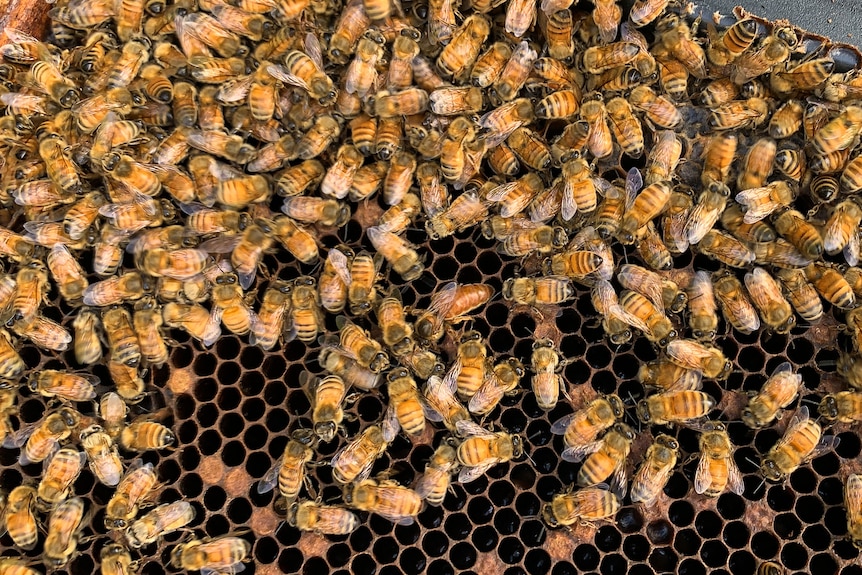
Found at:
(230, 434)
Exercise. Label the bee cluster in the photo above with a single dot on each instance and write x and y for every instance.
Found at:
(227, 170)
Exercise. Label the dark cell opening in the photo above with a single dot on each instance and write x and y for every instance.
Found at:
(181, 356)
(823, 563)
(231, 424)
(533, 533)
(816, 537)
(455, 498)
(266, 550)
(537, 562)
(681, 513)
(849, 446)
(407, 534)
(457, 526)
(691, 567)
(498, 314)
(297, 403)
(687, 542)
(227, 348)
(614, 564)
(480, 510)
(831, 491)
(608, 539)
(539, 433)
(502, 493)
(809, 508)
(836, 521)
(527, 504)
(484, 538)
(764, 545)
(676, 488)
(435, 543)
(214, 498)
(794, 556)
(787, 526)
(488, 261)
(217, 525)
(625, 366)
(273, 367)
(277, 420)
(204, 365)
(663, 560)
(773, 343)
(780, 498)
(363, 565)
(431, 517)
(800, 350)
(708, 524)
(290, 559)
(741, 563)
(604, 382)
(586, 557)
(714, 553)
(253, 409)
(510, 550)
(803, 480)
(573, 347)
(629, 520)
(205, 389)
(338, 555)
(547, 487)
(501, 340)
(730, 506)
(379, 525)
(827, 465)
(598, 356)
(385, 549)
(523, 325)
(239, 511)
(845, 549)
(274, 393)
(251, 357)
(736, 534)
(191, 485)
(445, 267)
(751, 359)
(659, 532)
(369, 408)
(209, 442)
(463, 555)
(636, 547)
(522, 477)
(207, 414)
(412, 561)
(187, 432)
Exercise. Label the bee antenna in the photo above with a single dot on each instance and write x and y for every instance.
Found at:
(809, 401)
(759, 485)
(754, 463)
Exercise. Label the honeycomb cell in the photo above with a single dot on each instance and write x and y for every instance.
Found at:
(636, 547)
(532, 533)
(253, 409)
(506, 521)
(614, 564)
(844, 549)
(629, 520)
(412, 561)
(816, 537)
(764, 545)
(831, 491)
(522, 477)
(207, 415)
(191, 485)
(809, 508)
(659, 532)
(361, 539)
(852, 570)
(456, 498)
(714, 553)
(751, 359)
(275, 393)
(608, 539)
(663, 560)
(849, 445)
(362, 564)
(794, 556)
(691, 567)
(277, 420)
(510, 550)
(484, 538)
(385, 549)
(480, 510)
(407, 534)
(462, 555)
(708, 524)
(835, 521)
(780, 498)
(730, 506)
(527, 504)
(239, 511)
(251, 358)
(431, 517)
(564, 568)
(826, 465)
(681, 513)
(273, 368)
(736, 534)
(457, 526)
(435, 543)
(787, 526)
(231, 424)
(204, 365)
(214, 498)
(205, 389)
(379, 525)
(687, 542)
(501, 493)
(266, 550)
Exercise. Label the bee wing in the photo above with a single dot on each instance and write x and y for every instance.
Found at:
(341, 265)
(559, 427)
(702, 477)
(634, 183)
(758, 204)
(499, 193)
(469, 428)
(489, 394)
(235, 90)
(428, 481)
(442, 300)
(20, 437)
(853, 250)
(568, 206)
(826, 443)
(576, 453)
(619, 480)
(853, 498)
(279, 73)
(687, 354)
(650, 289)
(212, 331)
(225, 570)
(221, 245)
(390, 426)
(270, 480)
(468, 474)
(734, 477)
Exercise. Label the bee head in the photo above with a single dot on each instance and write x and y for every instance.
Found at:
(828, 408)
(548, 515)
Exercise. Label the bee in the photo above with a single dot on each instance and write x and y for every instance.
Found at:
(465, 211)
(19, 517)
(161, 521)
(147, 321)
(726, 249)
(66, 386)
(547, 290)
(582, 506)
(450, 304)
(839, 133)
(792, 226)
(693, 355)
(801, 294)
(228, 296)
(268, 324)
(616, 321)
(404, 259)
(218, 555)
(482, 450)
(661, 111)
(194, 319)
(842, 407)
(354, 461)
(459, 55)
(306, 316)
(681, 406)
(113, 410)
(802, 441)
(774, 50)
(87, 345)
(607, 15)
(328, 396)
(716, 469)
(777, 393)
(305, 71)
(288, 472)
(321, 519)
(654, 473)
(385, 498)
(731, 43)
(607, 458)
(791, 163)
(585, 425)
(51, 81)
(770, 568)
(598, 59)
(122, 340)
(361, 347)
(675, 36)
(32, 291)
(786, 120)
(661, 292)
(145, 435)
(134, 489)
(659, 330)
(361, 289)
(766, 295)
(405, 401)
(831, 285)
(434, 483)
(840, 227)
(129, 286)
(852, 493)
(64, 524)
(115, 560)
(41, 439)
(649, 203)
(338, 362)
(102, 454)
(546, 383)
(500, 380)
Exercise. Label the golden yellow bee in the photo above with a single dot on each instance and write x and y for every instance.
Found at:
(831, 285)
(683, 407)
(661, 111)
(659, 328)
(44, 333)
(839, 133)
(482, 449)
(161, 521)
(398, 252)
(583, 506)
(716, 469)
(385, 498)
(792, 226)
(718, 92)
(32, 291)
(288, 472)
(585, 425)
(135, 487)
(66, 386)
(853, 503)
(115, 290)
(500, 380)
(218, 555)
(305, 314)
(843, 407)
(113, 410)
(148, 322)
(87, 345)
(102, 454)
(122, 340)
(405, 402)
(328, 395)
(731, 43)
(606, 459)
(459, 55)
(450, 304)
(546, 383)
(19, 517)
(268, 324)
(196, 320)
(726, 249)
(801, 294)
(64, 525)
(127, 381)
(654, 473)
(842, 223)
(767, 297)
(228, 296)
(116, 560)
(777, 393)
(649, 203)
(771, 567)
(40, 439)
(321, 519)
(434, 483)
(61, 471)
(354, 461)
(802, 441)
(772, 51)
(338, 362)
(697, 356)
(145, 435)
(545, 290)
(703, 318)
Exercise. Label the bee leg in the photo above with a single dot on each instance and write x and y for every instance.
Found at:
(310, 487)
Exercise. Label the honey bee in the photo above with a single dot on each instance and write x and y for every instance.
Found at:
(770, 568)
(66, 386)
(840, 227)
(145, 435)
(354, 461)
(122, 340)
(195, 319)
(766, 295)
(607, 15)
(51, 81)
(115, 560)
(127, 381)
(661, 292)
(831, 285)
(839, 133)
(616, 321)
(719, 92)
(852, 493)
(842, 407)
(546, 383)
(87, 345)
(607, 458)
(64, 524)
(654, 473)
(405, 401)
(305, 314)
(772, 51)
(459, 55)
(288, 472)
(481, 451)
(777, 393)
(328, 396)
(41, 439)
(716, 469)
(703, 318)
(500, 380)
(546, 290)
(268, 324)
(586, 424)
(659, 330)
(599, 141)
(385, 498)
(338, 362)
(102, 454)
(731, 43)
(802, 441)
(161, 521)
(786, 120)
(684, 407)
(32, 291)
(113, 410)
(649, 203)
(134, 489)
(361, 347)
(792, 226)
(228, 296)
(658, 109)
(693, 355)
(218, 555)
(791, 163)
(801, 294)
(675, 37)
(582, 506)
(15, 246)
(736, 306)
(148, 322)
(19, 517)
(402, 257)
(321, 519)
(726, 249)
(129, 286)
(450, 304)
